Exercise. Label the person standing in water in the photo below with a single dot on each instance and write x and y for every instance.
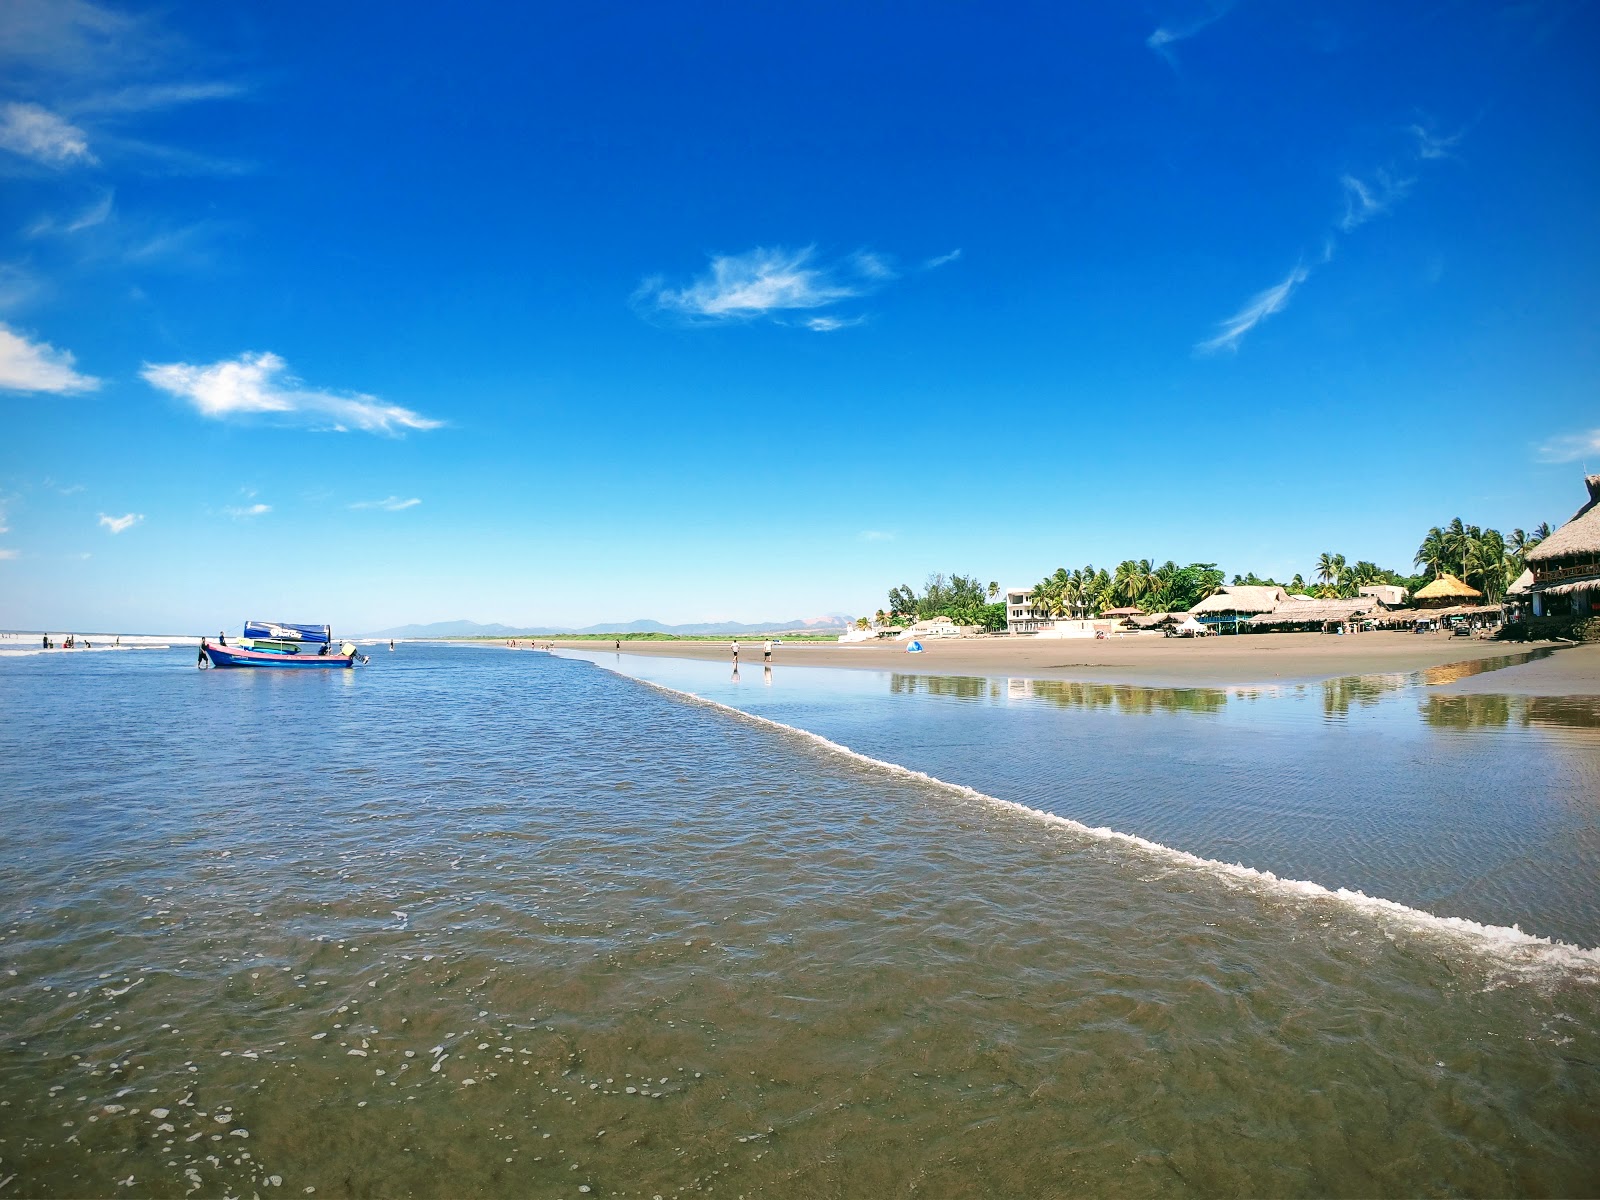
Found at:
(766, 651)
(736, 653)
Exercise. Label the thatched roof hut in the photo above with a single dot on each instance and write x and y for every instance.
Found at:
(1567, 563)
(1241, 599)
(1446, 589)
(1523, 583)
(1316, 613)
(1155, 620)
(1579, 538)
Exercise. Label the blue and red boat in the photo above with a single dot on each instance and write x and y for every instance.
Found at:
(273, 644)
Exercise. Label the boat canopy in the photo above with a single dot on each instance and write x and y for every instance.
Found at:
(319, 635)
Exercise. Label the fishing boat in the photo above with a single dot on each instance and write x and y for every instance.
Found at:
(274, 644)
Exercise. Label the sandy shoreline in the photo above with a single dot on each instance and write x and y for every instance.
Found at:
(1168, 662)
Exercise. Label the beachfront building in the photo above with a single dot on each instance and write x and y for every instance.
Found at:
(1518, 601)
(1230, 606)
(1566, 565)
(1446, 592)
(1325, 616)
(1390, 595)
(1020, 614)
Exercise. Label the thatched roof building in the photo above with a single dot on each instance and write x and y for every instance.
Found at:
(1445, 590)
(1155, 620)
(1522, 585)
(1235, 603)
(1314, 614)
(1245, 599)
(1567, 563)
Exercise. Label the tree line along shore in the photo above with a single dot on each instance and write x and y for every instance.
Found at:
(1483, 558)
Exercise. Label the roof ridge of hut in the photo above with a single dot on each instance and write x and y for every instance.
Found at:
(1579, 535)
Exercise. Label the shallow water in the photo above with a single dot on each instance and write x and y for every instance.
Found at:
(1479, 807)
(242, 898)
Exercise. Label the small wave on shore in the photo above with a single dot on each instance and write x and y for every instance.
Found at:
(1509, 949)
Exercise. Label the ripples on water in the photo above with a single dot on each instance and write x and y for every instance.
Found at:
(653, 948)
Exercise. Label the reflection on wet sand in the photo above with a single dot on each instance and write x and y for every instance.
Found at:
(1339, 695)
(1122, 697)
(1454, 672)
(1497, 712)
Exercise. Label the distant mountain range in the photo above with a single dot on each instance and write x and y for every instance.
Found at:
(822, 624)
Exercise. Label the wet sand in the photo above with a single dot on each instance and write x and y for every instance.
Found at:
(1224, 661)
(1571, 671)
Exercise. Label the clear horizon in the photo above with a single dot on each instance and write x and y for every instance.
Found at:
(532, 317)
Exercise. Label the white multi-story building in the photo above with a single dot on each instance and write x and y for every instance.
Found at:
(1020, 617)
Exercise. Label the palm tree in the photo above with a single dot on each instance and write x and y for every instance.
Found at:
(1325, 568)
(1487, 564)
(881, 618)
(994, 591)
(1433, 553)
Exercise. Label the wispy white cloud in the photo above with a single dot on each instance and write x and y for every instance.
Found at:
(17, 286)
(1261, 306)
(388, 504)
(1432, 145)
(152, 96)
(771, 283)
(831, 324)
(98, 213)
(875, 535)
(940, 260)
(251, 510)
(120, 524)
(1571, 447)
(27, 366)
(37, 133)
(257, 384)
(6, 554)
(70, 38)
(1169, 33)
(757, 283)
(1365, 199)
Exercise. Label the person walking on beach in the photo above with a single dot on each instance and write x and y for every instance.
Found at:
(736, 652)
(766, 651)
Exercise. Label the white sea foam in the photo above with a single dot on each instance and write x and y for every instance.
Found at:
(1524, 954)
(26, 645)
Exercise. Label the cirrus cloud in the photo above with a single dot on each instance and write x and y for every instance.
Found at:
(389, 503)
(1571, 447)
(260, 384)
(120, 524)
(772, 283)
(36, 133)
(27, 366)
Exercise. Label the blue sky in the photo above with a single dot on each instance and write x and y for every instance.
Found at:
(578, 313)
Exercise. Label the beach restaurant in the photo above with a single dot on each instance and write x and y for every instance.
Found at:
(1566, 565)
(1327, 616)
(1230, 606)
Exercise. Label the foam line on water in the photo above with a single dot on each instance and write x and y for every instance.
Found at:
(1524, 953)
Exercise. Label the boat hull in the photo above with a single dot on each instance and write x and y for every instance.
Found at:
(235, 656)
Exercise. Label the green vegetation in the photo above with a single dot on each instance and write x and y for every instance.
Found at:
(1083, 592)
(1482, 558)
(960, 597)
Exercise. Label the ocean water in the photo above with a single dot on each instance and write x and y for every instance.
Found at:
(474, 922)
